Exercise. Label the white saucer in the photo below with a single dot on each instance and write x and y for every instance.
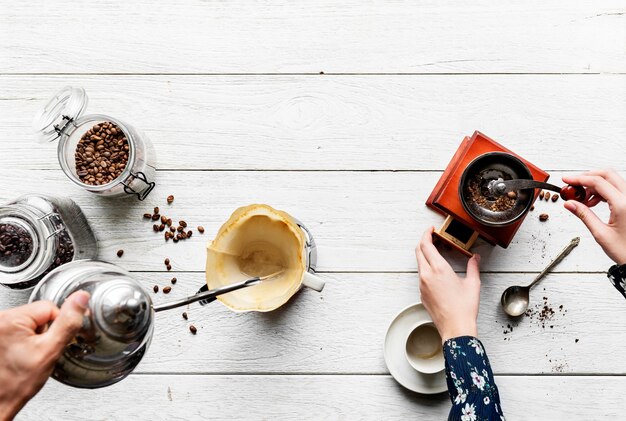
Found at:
(395, 358)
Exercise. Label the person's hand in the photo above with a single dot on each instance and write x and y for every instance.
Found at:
(603, 186)
(451, 301)
(29, 348)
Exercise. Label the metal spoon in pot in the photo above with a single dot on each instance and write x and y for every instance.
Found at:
(515, 299)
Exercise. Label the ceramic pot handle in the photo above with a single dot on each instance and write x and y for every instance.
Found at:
(313, 282)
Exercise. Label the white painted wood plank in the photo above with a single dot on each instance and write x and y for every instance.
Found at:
(342, 329)
(315, 398)
(336, 122)
(361, 221)
(276, 37)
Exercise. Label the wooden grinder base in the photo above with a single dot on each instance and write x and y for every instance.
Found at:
(460, 230)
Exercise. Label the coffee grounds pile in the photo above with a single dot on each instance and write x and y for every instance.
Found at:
(101, 154)
(500, 204)
(16, 245)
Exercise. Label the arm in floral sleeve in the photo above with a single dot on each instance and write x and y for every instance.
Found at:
(472, 390)
(617, 276)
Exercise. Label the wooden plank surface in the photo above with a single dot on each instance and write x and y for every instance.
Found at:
(558, 122)
(341, 330)
(361, 221)
(316, 398)
(308, 37)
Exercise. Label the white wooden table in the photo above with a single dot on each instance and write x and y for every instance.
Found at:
(233, 96)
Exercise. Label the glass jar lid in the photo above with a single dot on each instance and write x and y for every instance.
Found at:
(62, 109)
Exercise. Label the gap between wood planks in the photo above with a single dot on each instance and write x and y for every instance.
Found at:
(338, 374)
(317, 74)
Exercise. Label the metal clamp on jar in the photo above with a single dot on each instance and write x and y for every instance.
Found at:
(39, 233)
(99, 153)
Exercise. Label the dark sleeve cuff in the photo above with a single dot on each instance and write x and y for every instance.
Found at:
(470, 379)
(617, 276)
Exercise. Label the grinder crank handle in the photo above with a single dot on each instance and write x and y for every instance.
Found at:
(569, 192)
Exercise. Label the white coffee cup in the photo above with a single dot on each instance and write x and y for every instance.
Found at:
(423, 348)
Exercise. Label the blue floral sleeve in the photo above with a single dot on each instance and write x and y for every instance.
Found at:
(472, 390)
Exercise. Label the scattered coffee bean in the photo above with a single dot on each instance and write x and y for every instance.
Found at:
(155, 227)
(532, 208)
(182, 224)
(147, 215)
(161, 227)
(166, 261)
(170, 199)
(555, 197)
(120, 253)
(169, 267)
(201, 229)
(155, 289)
(172, 229)
(547, 196)
(169, 222)
(189, 233)
(541, 193)
(175, 240)
(193, 329)
(167, 289)
(174, 281)
(167, 235)
(544, 217)
(185, 315)
(180, 228)
(163, 219)
(156, 209)
(101, 154)
(155, 217)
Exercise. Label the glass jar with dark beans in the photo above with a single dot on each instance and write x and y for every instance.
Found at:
(39, 233)
(101, 154)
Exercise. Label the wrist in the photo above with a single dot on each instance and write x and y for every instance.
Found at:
(459, 330)
(10, 407)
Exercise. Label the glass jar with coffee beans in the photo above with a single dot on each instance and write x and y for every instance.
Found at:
(100, 153)
(39, 233)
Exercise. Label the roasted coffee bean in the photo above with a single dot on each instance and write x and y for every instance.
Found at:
(147, 215)
(155, 289)
(161, 227)
(201, 229)
(180, 228)
(174, 281)
(167, 289)
(544, 217)
(547, 196)
(541, 193)
(155, 227)
(166, 261)
(120, 253)
(170, 199)
(169, 267)
(189, 233)
(163, 219)
(182, 235)
(172, 229)
(193, 329)
(555, 197)
(167, 235)
(169, 222)
(511, 195)
(156, 216)
(185, 315)
(156, 209)
(532, 208)
(182, 224)
(101, 154)
(16, 245)
(175, 239)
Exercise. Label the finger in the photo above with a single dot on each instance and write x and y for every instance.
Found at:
(599, 184)
(434, 259)
(473, 267)
(422, 264)
(612, 177)
(67, 323)
(590, 219)
(36, 314)
(593, 201)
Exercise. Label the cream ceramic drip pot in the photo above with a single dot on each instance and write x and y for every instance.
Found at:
(258, 240)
